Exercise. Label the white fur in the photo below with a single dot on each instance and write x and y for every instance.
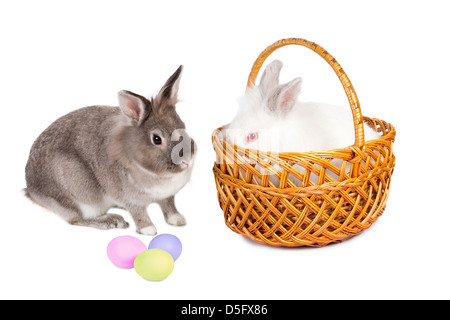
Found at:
(150, 230)
(166, 186)
(307, 127)
(91, 211)
(176, 219)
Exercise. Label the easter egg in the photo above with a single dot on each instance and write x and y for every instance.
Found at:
(154, 264)
(123, 250)
(167, 242)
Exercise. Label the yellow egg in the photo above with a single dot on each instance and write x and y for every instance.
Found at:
(154, 264)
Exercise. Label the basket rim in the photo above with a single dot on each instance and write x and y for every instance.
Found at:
(328, 153)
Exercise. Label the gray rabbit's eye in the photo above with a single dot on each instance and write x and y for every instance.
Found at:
(156, 139)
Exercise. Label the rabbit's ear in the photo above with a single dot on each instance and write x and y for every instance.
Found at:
(270, 77)
(133, 105)
(284, 97)
(169, 92)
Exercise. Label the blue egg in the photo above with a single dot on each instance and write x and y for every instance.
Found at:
(167, 242)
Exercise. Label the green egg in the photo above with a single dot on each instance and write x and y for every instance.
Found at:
(154, 264)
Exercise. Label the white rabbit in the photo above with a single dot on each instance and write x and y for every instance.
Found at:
(271, 119)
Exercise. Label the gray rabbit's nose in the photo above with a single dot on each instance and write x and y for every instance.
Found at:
(184, 148)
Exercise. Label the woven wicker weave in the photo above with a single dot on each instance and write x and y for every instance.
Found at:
(324, 209)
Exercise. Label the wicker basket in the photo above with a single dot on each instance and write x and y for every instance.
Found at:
(316, 214)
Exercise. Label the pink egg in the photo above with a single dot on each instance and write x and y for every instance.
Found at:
(123, 250)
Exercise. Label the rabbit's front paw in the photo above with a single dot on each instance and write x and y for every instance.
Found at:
(176, 219)
(149, 230)
(104, 222)
(117, 221)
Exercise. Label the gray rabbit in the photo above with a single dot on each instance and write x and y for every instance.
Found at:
(100, 157)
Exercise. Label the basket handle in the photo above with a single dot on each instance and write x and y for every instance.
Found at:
(345, 81)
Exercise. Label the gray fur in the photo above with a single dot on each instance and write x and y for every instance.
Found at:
(100, 157)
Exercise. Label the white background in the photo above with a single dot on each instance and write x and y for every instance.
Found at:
(57, 56)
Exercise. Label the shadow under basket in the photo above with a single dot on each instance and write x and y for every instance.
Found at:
(311, 198)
